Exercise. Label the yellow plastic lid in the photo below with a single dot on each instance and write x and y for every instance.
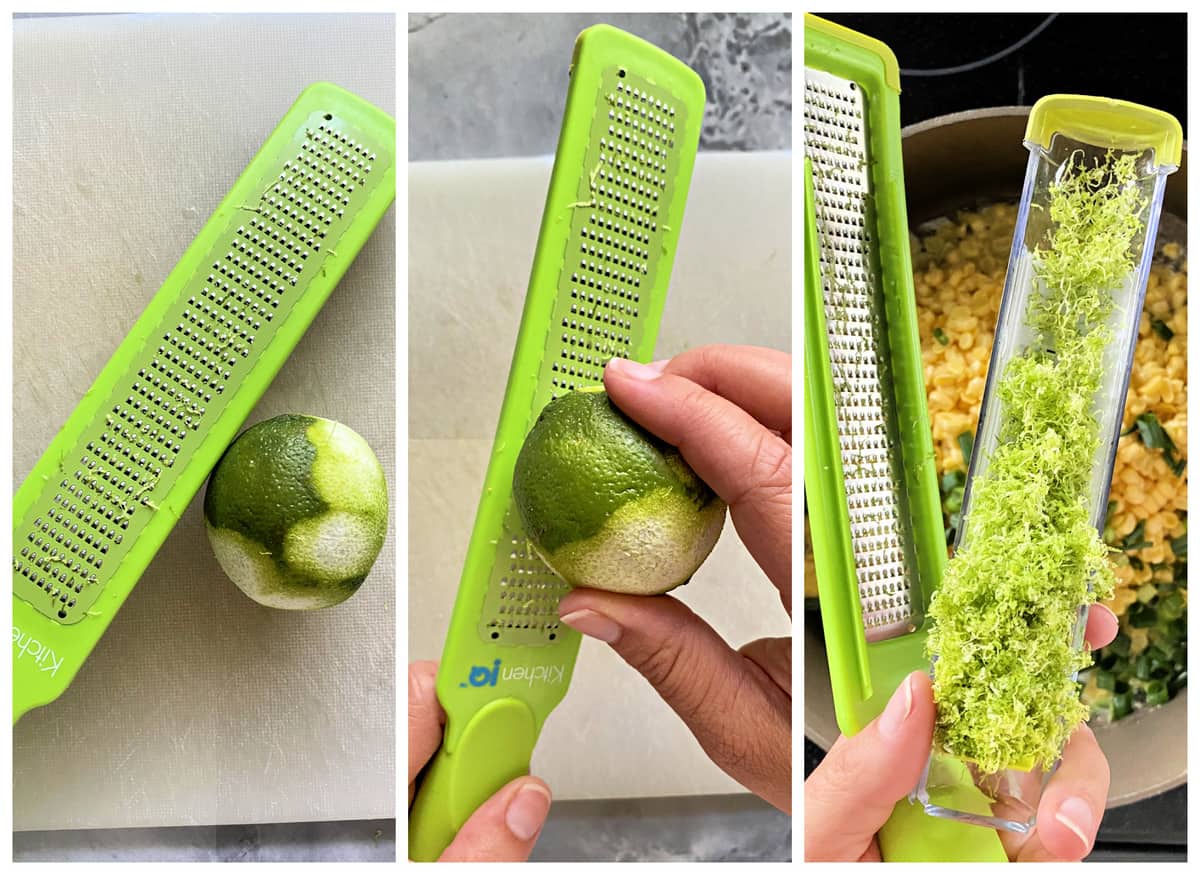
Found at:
(891, 67)
(1102, 121)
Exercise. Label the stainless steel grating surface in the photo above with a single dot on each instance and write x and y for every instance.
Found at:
(835, 143)
(609, 268)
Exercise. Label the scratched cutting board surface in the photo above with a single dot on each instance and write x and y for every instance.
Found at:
(198, 706)
(472, 230)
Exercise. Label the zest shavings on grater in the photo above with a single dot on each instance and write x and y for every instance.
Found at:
(836, 146)
(1005, 635)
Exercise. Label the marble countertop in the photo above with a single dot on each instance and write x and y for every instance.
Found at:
(505, 97)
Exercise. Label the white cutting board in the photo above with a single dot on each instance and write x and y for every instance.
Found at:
(198, 706)
(472, 231)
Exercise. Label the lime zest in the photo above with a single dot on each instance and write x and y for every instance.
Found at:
(1003, 619)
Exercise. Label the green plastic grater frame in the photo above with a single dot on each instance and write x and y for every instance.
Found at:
(870, 481)
(105, 494)
(600, 273)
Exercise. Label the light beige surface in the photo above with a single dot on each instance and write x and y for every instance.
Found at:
(198, 706)
(472, 231)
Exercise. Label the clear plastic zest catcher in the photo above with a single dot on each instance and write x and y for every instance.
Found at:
(1007, 621)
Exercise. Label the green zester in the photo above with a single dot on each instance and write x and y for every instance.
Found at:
(105, 494)
(870, 481)
(600, 272)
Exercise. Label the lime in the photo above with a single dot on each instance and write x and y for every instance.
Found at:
(296, 512)
(608, 505)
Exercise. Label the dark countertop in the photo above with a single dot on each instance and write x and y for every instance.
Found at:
(1075, 54)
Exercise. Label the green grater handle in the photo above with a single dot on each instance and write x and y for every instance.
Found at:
(47, 654)
(494, 749)
(484, 684)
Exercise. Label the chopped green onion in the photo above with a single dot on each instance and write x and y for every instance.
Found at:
(1136, 539)
(940, 336)
(1161, 329)
(966, 443)
(1142, 616)
(1179, 546)
(1106, 680)
(1170, 607)
(1155, 437)
(1156, 693)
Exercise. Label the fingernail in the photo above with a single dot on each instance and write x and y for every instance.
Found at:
(897, 710)
(636, 370)
(527, 811)
(1076, 815)
(593, 625)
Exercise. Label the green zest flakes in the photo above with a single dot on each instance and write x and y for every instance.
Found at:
(1004, 617)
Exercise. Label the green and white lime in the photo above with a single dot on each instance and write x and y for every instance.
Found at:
(296, 512)
(608, 505)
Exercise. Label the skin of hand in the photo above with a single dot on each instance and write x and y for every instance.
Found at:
(503, 829)
(850, 795)
(728, 410)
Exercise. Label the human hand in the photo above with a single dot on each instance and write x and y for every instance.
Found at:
(506, 826)
(728, 409)
(852, 792)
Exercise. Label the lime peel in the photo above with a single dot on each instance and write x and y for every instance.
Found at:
(608, 505)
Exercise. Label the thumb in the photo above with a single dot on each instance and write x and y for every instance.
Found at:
(505, 828)
(852, 793)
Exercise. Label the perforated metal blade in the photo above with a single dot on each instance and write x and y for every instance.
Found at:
(835, 142)
(600, 273)
(102, 498)
(609, 294)
(870, 480)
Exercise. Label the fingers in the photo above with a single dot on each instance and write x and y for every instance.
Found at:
(774, 657)
(740, 716)
(756, 379)
(746, 464)
(505, 828)
(1102, 626)
(1073, 803)
(852, 792)
(425, 719)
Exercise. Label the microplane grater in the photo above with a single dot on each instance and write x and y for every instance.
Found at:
(600, 273)
(100, 501)
(836, 147)
(870, 478)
